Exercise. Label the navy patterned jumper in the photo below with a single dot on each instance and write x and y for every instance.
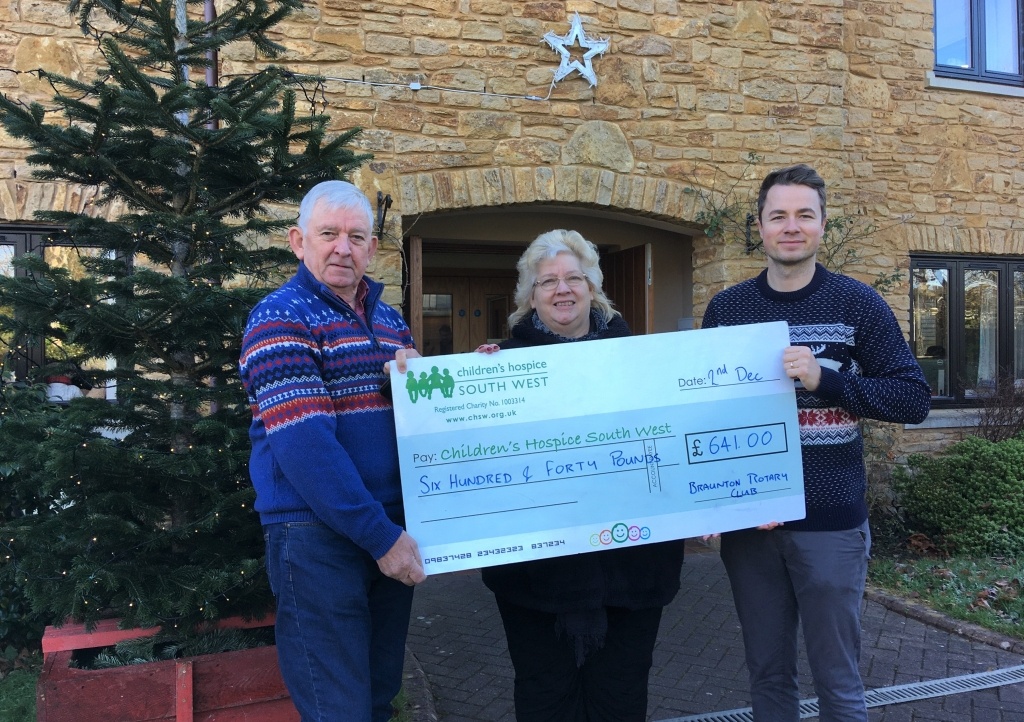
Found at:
(867, 370)
(812, 570)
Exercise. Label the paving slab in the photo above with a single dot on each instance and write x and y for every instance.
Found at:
(459, 671)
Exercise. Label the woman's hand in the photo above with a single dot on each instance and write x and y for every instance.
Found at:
(488, 348)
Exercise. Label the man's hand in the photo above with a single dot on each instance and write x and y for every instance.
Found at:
(401, 356)
(403, 562)
(799, 363)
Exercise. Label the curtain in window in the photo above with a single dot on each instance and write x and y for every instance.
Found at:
(1018, 328)
(931, 325)
(981, 317)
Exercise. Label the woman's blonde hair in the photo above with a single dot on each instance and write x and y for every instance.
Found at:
(548, 245)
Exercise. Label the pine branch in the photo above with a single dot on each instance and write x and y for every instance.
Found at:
(128, 495)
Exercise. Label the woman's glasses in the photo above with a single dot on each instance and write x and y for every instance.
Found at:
(573, 280)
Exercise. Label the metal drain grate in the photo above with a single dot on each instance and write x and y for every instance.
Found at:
(886, 695)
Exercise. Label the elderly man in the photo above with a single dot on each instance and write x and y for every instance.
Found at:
(849, 360)
(325, 466)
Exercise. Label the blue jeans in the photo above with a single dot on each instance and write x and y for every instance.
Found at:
(781, 578)
(341, 624)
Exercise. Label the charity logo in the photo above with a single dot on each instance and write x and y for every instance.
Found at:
(618, 534)
(425, 386)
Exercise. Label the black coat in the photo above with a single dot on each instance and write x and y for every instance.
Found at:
(637, 577)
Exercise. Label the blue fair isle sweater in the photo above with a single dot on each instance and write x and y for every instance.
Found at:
(867, 370)
(323, 437)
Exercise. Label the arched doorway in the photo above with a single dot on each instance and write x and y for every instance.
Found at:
(461, 270)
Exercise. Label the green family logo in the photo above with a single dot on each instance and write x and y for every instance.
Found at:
(619, 534)
(425, 386)
(475, 382)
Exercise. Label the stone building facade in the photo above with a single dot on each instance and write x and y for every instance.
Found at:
(479, 149)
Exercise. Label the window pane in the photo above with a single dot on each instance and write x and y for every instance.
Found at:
(6, 269)
(1018, 328)
(931, 326)
(953, 33)
(1002, 49)
(497, 318)
(437, 324)
(981, 326)
(61, 389)
(69, 257)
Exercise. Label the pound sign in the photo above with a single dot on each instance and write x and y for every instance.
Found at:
(695, 451)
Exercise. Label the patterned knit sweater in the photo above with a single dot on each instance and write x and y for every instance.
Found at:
(867, 370)
(323, 437)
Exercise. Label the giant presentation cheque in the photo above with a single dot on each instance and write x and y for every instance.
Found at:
(580, 447)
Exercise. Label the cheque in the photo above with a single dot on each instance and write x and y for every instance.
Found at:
(572, 448)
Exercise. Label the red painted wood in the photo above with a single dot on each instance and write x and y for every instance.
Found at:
(239, 623)
(126, 694)
(233, 678)
(106, 633)
(243, 686)
(183, 699)
(281, 710)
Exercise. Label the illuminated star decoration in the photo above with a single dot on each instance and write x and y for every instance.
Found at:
(576, 36)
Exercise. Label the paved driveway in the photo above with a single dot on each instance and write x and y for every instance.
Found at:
(457, 638)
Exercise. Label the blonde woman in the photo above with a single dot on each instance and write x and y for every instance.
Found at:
(580, 629)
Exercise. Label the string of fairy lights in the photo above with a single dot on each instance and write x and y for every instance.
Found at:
(563, 45)
(314, 89)
(159, 535)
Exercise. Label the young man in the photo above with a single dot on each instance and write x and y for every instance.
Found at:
(849, 360)
(325, 466)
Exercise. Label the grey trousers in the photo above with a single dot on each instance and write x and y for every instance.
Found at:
(815, 578)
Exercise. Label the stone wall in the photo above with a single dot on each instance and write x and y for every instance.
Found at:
(685, 92)
(929, 441)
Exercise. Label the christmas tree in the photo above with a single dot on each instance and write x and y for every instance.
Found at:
(138, 505)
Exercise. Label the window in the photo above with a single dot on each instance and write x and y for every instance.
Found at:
(6, 258)
(979, 40)
(967, 324)
(15, 241)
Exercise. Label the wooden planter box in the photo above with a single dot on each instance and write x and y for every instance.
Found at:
(241, 686)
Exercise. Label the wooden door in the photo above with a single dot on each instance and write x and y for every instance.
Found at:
(629, 283)
(490, 301)
(445, 322)
(462, 312)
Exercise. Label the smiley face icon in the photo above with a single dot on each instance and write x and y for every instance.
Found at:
(606, 537)
(645, 533)
(634, 533)
(595, 540)
(620, 532)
